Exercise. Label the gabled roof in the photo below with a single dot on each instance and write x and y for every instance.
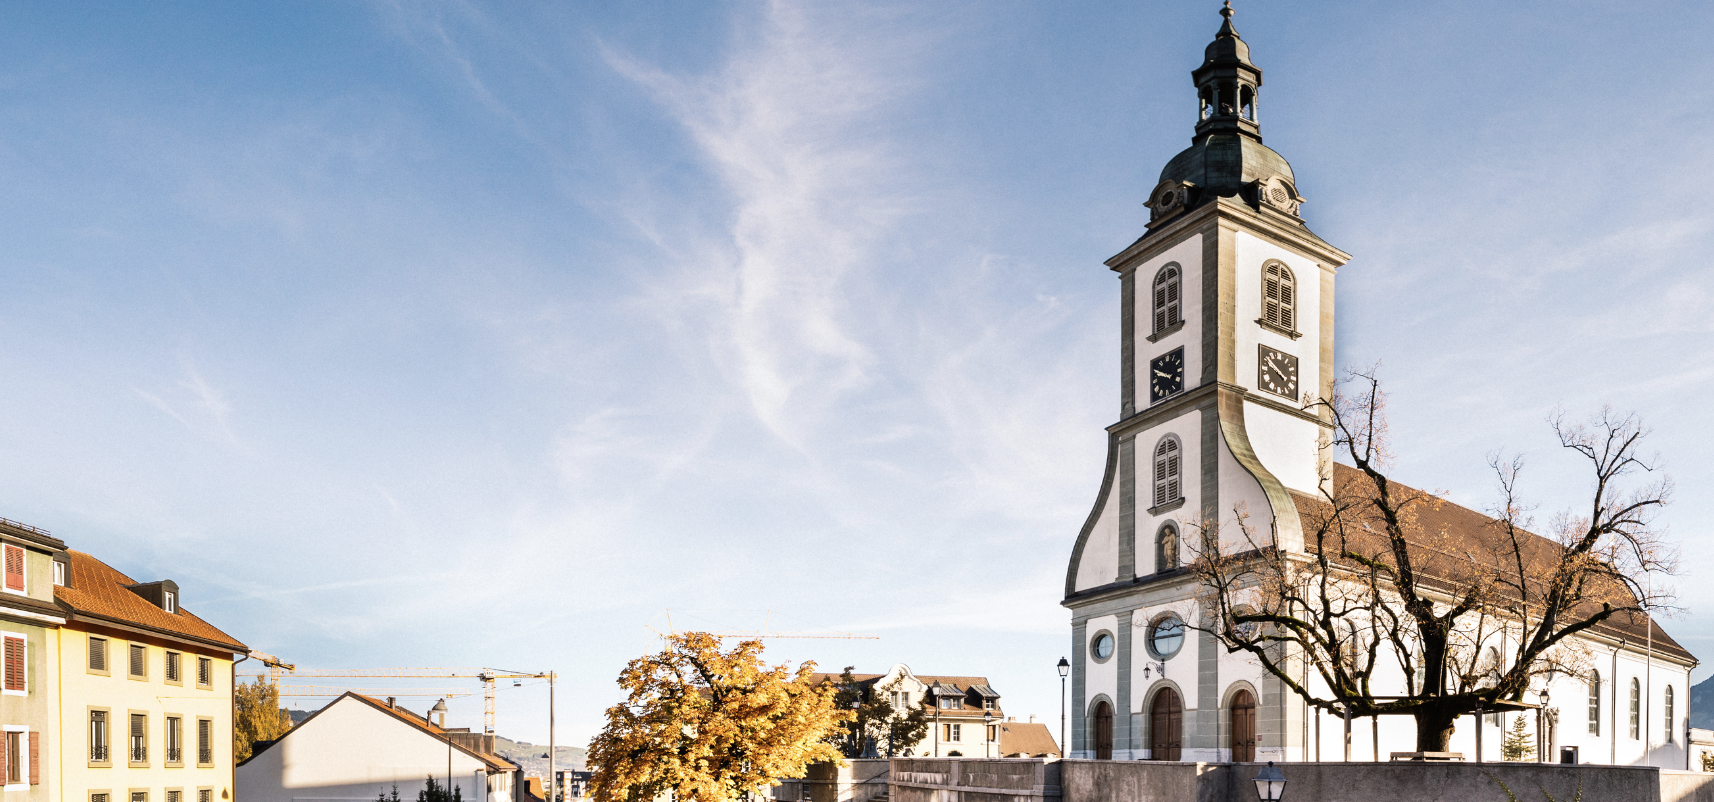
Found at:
(1464, 532)
(1026, 740)
(96, 592)
(494, 763)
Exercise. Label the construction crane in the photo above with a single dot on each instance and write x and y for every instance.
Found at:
(488, 676)
(330, 690)
(764, 632)
(274, 665)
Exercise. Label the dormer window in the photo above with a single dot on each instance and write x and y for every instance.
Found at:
(170, 601)
(59, 573)
(14, 568)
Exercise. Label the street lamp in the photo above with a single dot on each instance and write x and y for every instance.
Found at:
(440, 709)
(1064, 669)
(1270, 784)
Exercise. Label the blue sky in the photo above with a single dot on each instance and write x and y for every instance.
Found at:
(448, 335)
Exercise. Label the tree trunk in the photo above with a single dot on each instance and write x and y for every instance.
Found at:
(1434, 730)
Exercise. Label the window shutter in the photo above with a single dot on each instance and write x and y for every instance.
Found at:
(6, 758)
(14, 568)
(35, 758)
(14, 664)
(98, 654)
(137, 658)
(172, 667)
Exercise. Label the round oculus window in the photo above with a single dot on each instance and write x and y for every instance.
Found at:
(1166, 637)
(1102, 648)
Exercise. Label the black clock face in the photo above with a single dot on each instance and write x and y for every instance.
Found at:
(1166, 374)
(1276, 373)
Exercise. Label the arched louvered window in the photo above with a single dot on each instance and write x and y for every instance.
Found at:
(1279, 297)
(1166, 547)
(1166, 298)
(1636, 709)
(1166, 471)
(1594, 703)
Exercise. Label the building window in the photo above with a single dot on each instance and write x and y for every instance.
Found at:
(174, 795)
(1166, 298)
(59, 573)
(1669, 714)
(951, 703)
(988, 704)
(98, 654)
(98, 736)
(204, 741)
(97, 797)
(901, 700)
(14, 657)
(1166, 636)
(952, 732)
(139, 661)
(139, 796)
(1166, 548)
(139, 738)
(204, 795)
(1636, 709)
(14, 568)
(169, 601)
(204, 671)
(14, 758)
(993, 732)
(175, 741)
(1594, 703)
(173, 666)
(1166, 471)
(1279, 297)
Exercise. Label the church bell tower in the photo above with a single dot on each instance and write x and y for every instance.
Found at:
(1226, 331)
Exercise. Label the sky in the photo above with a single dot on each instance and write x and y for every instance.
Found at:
(485, 335)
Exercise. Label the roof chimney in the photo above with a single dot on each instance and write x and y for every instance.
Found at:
(1032, 718)
(392, 702)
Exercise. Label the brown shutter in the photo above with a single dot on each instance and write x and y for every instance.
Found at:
(35, 758)
(6, 758)
(14, 568)
(98, 654)
(14, 664)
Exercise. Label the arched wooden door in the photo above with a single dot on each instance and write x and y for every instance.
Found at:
(1166, 725)
(1243, 727)
(1103, 731)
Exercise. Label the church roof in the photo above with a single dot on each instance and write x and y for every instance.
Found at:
(1448, 540)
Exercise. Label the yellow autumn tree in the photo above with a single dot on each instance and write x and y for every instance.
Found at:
(711, 725)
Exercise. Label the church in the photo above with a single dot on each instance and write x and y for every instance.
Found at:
(1226, 323)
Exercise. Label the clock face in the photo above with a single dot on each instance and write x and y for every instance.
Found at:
(1166, 374)
(1276, 372)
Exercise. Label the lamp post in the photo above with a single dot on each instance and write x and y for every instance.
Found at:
(440, 709)
(1270, 783)
(1541, 727)
(1064, 669)
(987, 733)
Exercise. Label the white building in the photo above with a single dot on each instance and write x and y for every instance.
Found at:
(1226, 321)
(964, 713)
(359, 748)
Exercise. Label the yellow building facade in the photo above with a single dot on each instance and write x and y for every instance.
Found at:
(145, 693)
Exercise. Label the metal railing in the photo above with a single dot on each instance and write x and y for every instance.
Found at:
(205, 755)
(26, 527)
(98, 753)
(174, 754)
(139, 753)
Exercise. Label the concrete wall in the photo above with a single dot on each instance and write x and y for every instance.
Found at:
(1147, 781)
(974, 780)
(1686, 786)
(856, 781)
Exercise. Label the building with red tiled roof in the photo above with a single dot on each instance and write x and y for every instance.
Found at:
(145, 690)
(358, 748)
(964, 711)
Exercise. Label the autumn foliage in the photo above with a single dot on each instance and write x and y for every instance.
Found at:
(711, 725)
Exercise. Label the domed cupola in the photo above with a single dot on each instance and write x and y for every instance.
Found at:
(1226, 157)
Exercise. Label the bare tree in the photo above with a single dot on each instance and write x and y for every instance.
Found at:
(1398, 612)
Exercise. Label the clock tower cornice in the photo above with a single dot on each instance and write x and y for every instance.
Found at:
(1236, 214)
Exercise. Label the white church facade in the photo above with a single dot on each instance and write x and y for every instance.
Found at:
(1227, 321)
